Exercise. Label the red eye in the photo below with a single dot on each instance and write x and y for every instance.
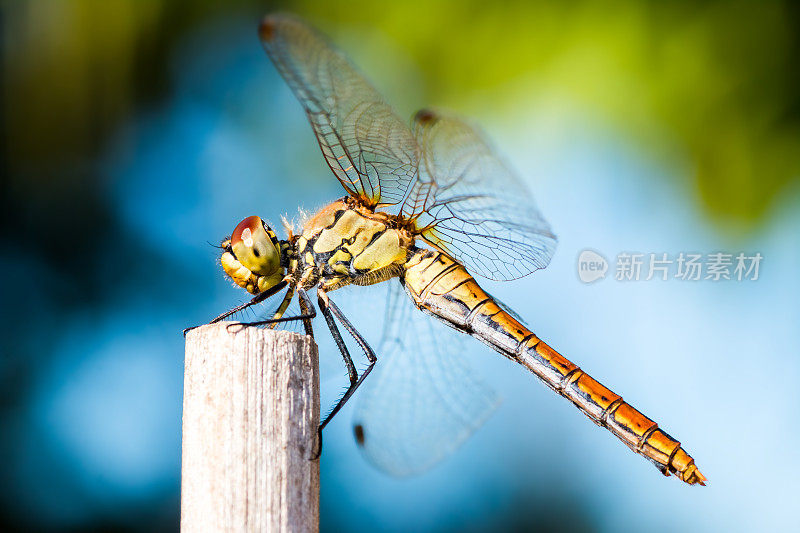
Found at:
(252, 224)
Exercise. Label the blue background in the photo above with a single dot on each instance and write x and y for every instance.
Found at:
(115, 188)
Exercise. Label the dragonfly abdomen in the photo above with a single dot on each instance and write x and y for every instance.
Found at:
(441, 286)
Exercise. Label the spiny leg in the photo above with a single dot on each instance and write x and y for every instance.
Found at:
(368, 352)
(324, 306)
(258, 298)
(309, 312)
(329, 310)
(287, 299)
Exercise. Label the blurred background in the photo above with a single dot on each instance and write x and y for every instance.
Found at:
(136, 133)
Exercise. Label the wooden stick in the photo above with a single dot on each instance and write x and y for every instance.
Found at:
(250, 416)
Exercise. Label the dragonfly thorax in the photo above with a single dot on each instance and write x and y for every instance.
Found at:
(345, 244)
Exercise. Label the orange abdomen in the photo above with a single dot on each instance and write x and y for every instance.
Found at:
(444, 288)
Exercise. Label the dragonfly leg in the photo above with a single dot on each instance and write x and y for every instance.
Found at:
(330, 310)
(287, 299)
(309, 312)
(324, 306)
(258, 298)
(367, 349)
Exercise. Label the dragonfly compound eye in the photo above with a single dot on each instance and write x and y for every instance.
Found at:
(255, 246)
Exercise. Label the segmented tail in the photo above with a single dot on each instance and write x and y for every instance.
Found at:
(441, 286)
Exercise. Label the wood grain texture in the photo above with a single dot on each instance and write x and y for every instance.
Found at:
(250, 415)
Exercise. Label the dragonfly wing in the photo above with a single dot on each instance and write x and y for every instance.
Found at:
(370, 149)
(472, 205)
(422, 401)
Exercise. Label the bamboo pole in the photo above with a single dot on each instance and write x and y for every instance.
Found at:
(250, 416)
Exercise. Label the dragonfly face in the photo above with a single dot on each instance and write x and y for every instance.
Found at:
(252, 256)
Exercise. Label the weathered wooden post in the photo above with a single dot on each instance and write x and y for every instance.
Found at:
(250, 416)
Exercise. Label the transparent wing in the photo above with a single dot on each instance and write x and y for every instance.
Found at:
(370, 149)
(422, 401)
(471, 204)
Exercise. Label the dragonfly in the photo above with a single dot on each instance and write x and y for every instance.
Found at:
(426, 207)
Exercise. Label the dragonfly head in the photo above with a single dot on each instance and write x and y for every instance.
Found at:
(252, 256)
